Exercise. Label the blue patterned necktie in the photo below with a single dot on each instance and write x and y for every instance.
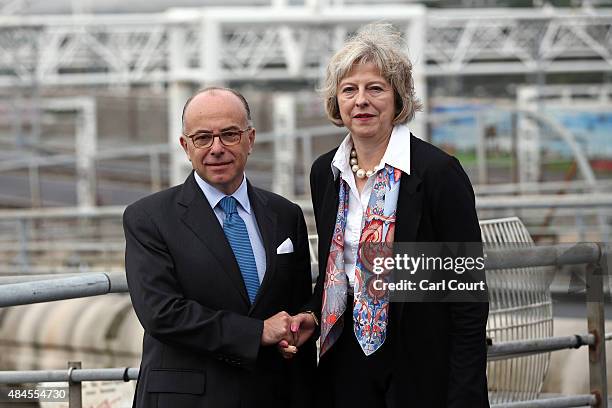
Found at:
(238, 237)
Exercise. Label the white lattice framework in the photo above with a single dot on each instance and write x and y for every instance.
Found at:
(283, 43)
(182, 47)
(463, 42)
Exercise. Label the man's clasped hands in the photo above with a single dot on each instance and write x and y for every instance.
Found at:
(288, 332)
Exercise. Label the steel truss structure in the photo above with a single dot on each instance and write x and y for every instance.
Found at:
(216, 45)
(183, 47)
(464, 42)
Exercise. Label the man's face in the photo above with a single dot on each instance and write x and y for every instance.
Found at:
(219, 165)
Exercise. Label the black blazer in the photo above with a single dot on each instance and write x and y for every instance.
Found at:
(439, 348)
(201, 345)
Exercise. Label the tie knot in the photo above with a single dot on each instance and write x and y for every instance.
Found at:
(228, 204)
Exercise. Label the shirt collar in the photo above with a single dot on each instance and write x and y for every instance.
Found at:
(213, 195)
(397, 153)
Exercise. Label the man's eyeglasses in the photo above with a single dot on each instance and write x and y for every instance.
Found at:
(203, 140)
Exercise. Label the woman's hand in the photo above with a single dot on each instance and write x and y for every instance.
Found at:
(302, 327)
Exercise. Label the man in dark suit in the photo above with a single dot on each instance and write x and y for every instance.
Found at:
(215, 266)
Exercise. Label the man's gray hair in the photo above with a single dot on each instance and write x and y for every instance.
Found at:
(382, 45)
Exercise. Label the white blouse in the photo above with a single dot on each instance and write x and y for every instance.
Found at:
(396, 155)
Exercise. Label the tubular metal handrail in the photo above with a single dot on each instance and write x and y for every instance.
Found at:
(558, 402)
(495, 351)
(77, 375)
(91, 284)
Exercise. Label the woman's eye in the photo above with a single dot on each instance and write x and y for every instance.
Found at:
(348, 89)
(376, 89)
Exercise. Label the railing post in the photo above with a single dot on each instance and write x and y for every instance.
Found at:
(22, 233)
(155, 169)
(35, 190)
(75, 399)
(596, 320)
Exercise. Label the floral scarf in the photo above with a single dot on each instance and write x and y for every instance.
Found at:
(370, 306)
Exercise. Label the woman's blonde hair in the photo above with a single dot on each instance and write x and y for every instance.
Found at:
(382, 45)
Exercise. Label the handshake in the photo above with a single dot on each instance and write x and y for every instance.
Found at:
(288, 332)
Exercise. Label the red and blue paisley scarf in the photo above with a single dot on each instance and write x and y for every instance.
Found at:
(370, 306)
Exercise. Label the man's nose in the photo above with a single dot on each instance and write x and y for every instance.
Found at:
(217, 148)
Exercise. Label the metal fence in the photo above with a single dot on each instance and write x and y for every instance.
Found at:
(72, 239)
(520, 308)
(20, 292)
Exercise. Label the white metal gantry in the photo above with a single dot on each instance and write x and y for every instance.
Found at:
(183, 47)
(281, 43)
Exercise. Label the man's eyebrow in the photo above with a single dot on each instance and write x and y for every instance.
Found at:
(201, 131)
(232, 127)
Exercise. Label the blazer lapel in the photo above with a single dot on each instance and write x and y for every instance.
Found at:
(201, 219)
(327, 215)
(408, 216)
(267, 223)
(409, 208)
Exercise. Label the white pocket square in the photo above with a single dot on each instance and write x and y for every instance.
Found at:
(286, 247)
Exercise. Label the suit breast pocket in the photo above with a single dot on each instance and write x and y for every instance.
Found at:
(285, 267)
(176, 387)
(284, 260)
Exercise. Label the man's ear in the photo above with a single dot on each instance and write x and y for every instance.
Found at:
(183, 142)
(251, 140)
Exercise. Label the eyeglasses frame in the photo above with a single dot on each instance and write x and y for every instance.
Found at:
(214, 135)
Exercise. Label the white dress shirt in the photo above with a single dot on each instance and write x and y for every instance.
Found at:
(244, 210)
(397, 155)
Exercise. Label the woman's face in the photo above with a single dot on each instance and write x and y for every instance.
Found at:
(366, 101)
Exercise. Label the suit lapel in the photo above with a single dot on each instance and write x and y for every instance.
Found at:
(267, 223)
(201, 219)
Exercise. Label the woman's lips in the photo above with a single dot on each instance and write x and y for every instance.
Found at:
(363, 117)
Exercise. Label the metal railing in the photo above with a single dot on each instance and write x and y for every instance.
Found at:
(21, 291)
(32, 226)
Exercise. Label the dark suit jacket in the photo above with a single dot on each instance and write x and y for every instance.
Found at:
(201, 346)
(439, 349)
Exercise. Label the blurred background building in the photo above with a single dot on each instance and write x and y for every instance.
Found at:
(91, 93)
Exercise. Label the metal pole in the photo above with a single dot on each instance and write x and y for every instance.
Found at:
(514, 348)
(417, 38)
(283, 182)
(75, 399)
(17, 125)
(481, 149)
(22, 233)
(514, 149)
(596, 321)
(528, 142)
(307, 160)
(178, 92)
(77, 375)
(155, 169)
(82, 285)
(581, 227)
(34, 180)
(558, 402)
(86, 146)
(211, 48)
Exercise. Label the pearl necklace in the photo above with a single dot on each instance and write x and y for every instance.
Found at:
(359, 172)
